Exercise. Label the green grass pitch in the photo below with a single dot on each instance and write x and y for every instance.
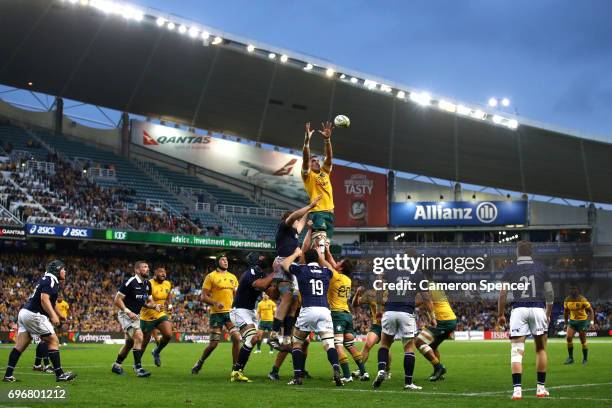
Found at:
(478, 375)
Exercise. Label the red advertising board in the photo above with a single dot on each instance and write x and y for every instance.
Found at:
(360, 197)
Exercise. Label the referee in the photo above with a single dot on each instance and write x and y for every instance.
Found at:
(133, 295)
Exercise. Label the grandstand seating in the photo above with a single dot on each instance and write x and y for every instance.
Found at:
(221, 195)
(263, 227)
(18, 138)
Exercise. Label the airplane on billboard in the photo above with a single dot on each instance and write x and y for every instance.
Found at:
(278, 179)
(270, 171)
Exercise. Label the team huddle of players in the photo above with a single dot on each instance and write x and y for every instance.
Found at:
(313, 292)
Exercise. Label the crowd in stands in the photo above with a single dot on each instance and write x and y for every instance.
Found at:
(61, 194)
(92, 282)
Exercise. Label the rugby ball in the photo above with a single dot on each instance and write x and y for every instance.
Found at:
(342, 121)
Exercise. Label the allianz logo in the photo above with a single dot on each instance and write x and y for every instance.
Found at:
(486, 212)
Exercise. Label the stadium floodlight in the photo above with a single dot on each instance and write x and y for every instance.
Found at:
(343, 76)
(272, 55)
(160, 21)
(284, 58)
(368, 83)
(138, 15)
(170, 26)
(513, 124)
(182, 29)
(478, 114)
(505, 102)
(250, 48)
(421, 98)
(492, 102)
(329, 72)
(308, 67)
(354, 80)
(217, 40)
(84, 2)
(401, 94)
(73, 1)
(497, 119)
(205, 35)
(463, 110)
(447, 106)
(193, 32)
(386, 88)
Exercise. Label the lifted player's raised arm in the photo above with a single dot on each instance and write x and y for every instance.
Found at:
(326, 133)
(306, 150)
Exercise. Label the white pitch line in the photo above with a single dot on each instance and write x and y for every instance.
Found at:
(465, 394)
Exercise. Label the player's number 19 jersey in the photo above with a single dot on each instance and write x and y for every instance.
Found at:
(313, 281)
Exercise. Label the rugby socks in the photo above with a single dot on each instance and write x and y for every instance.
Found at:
(41, 353)
(259, 345)
(541, 377)
(12, 362)
(162, 343)
(570, 350)
(288, 324)
(516, 379)
(298, 362)
(332, 357)
(359, 362)
(344, 365)
(54, 356)
(409, 360)
(276, 325)
(585, 351)
(243, 357)
(137, 358)
(120, 358)
(383, 358)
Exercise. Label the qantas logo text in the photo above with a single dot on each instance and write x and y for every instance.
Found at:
(149, 140)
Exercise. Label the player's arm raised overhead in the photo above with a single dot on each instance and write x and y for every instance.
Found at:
(301, 214)
(306, 150)
(290, 259)
(357, 297)
(329, 258)
(326, 133)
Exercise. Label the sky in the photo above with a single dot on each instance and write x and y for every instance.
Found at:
(552, 58)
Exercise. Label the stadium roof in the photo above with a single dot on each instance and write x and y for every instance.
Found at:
(128, 59)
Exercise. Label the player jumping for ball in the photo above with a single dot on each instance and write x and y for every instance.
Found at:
(317, 182)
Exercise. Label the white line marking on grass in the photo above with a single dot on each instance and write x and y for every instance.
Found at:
(467, 394)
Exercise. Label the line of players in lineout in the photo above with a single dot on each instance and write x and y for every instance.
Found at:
(308, 283)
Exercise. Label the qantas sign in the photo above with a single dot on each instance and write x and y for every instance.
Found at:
(149, 140)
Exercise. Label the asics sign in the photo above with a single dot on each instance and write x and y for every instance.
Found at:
(59, 231)
(458, 213)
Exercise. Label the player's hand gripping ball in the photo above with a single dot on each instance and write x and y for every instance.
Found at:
(342, 121)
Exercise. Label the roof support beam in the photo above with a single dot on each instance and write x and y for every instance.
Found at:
(587, 179)
(266, 103)
(196, 112)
